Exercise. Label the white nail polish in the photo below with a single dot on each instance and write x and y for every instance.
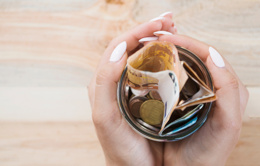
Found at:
(157, 18)
(158, 33)
(166, 13)
(146, 39)
(216, 57)
(118, 52)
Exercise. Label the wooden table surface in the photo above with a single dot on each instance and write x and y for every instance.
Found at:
(49, 51)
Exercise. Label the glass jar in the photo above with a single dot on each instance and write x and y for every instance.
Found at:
(150, 132)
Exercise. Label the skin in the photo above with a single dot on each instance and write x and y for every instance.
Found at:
(210, 145)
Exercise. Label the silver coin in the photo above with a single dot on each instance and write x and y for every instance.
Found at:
(140, 92)
(147, 125)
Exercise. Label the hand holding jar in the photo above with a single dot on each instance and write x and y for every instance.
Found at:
(210, 145)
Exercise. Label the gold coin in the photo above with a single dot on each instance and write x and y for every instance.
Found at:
(135, 104)
(151, 112)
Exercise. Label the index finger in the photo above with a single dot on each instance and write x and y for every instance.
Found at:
(133, 36)
(197, 47)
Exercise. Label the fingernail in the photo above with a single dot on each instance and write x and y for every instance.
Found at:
(146, 39)
(118, 52)
(156, 18)
(216, 57)
(158, 33)
(166, 13)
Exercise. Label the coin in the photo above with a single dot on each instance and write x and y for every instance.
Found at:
(153, 94)
(142, 92)
(151, 112)
(150, 127)
(135, 104)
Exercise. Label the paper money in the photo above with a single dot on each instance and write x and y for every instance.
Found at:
(204, 95)
(182, 119)
(157, 67)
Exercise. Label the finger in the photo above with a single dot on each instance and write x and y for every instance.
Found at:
(144, 30)
(172, 27)
(227, 115)
(105, 109)
(197, 47)
(168, 25)
(244, 94)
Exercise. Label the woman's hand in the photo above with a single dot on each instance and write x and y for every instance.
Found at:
(122, 145)
(210, 145)
(214, 141)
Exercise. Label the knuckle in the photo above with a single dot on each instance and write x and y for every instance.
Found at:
(235, 126)
(233, 83)
(102, 76)
(113, 42)
(102, 120)
(98, 122)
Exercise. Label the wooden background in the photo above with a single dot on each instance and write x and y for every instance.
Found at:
(49, 51)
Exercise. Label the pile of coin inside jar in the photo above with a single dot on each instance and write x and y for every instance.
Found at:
(141, 103)
(147, 107)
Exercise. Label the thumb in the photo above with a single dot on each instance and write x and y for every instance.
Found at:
(105, 108)
(227, 114)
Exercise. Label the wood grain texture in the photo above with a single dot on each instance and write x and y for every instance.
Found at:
(58, 104)
(49, 51)
(75, 143)
(54, 144)
(37, 34)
